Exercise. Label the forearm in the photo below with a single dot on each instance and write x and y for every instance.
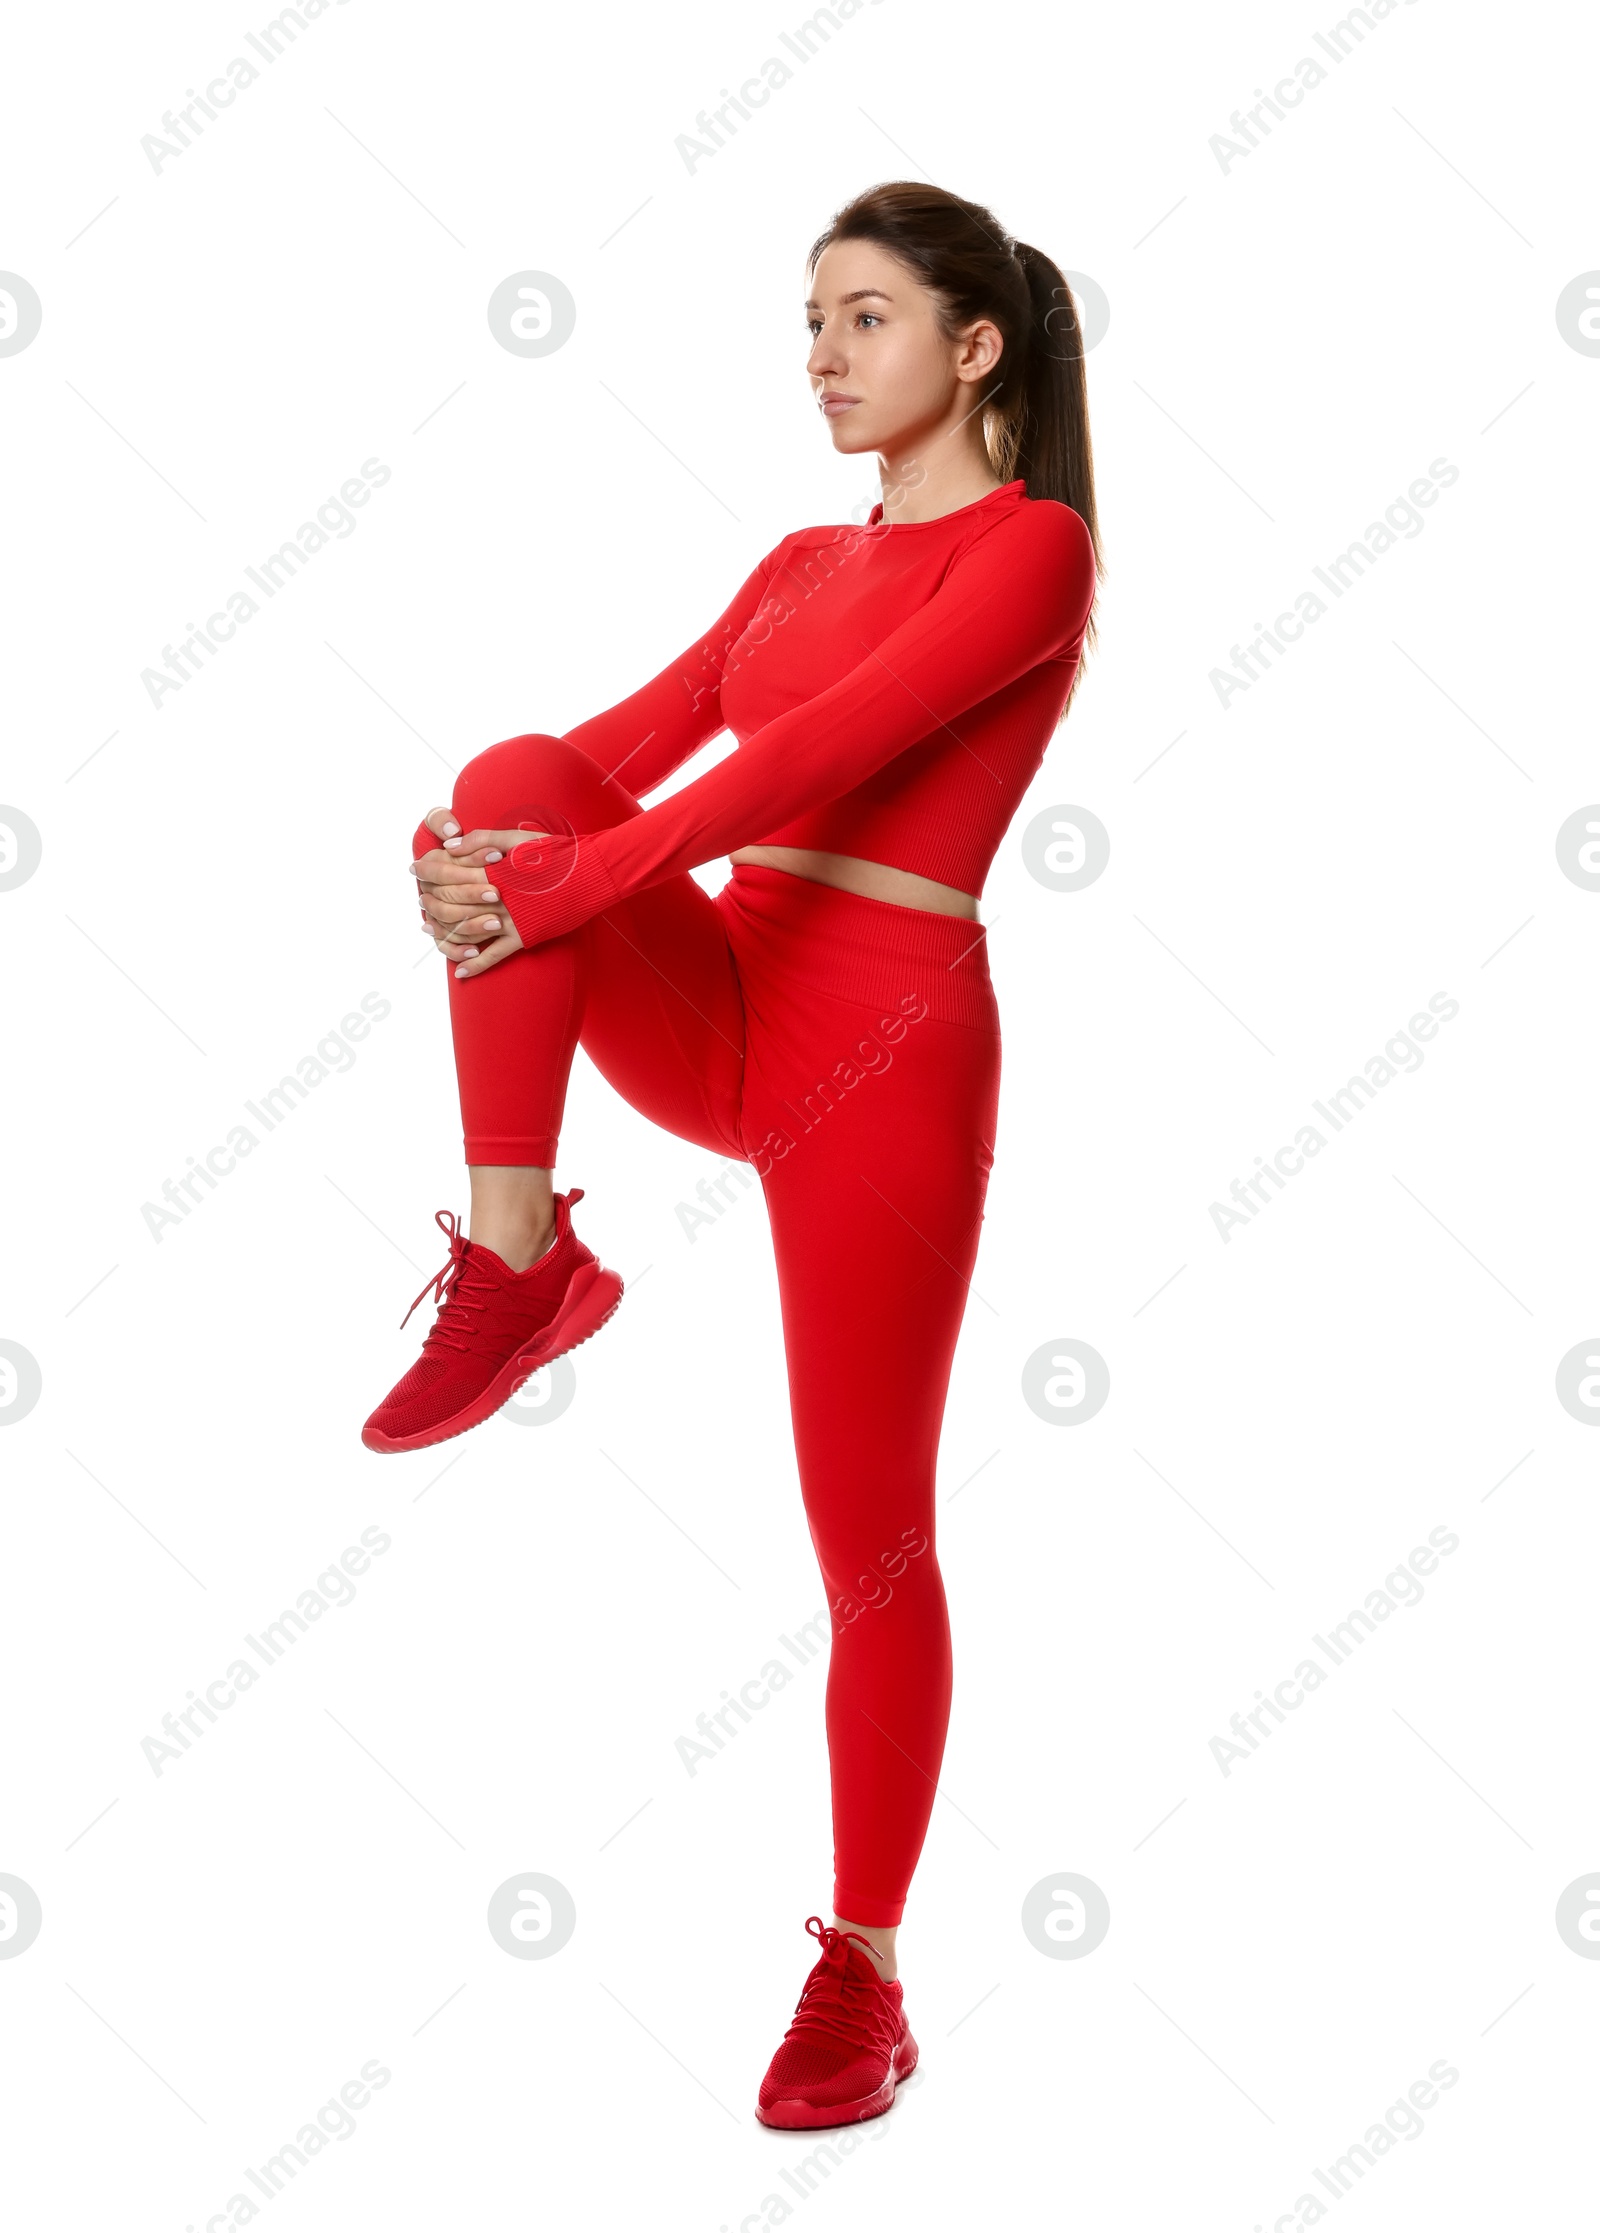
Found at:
(1004, 612)
(641, 740)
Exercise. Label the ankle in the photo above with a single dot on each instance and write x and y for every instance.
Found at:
(881, 1938)
(521, 1249)
(519, 1245)
(513, 1212)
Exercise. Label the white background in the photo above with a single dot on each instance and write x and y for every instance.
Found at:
(1292, 341)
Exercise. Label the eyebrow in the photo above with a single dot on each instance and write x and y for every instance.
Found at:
(860, 295)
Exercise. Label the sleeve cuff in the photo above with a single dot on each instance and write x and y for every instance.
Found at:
(552, 885)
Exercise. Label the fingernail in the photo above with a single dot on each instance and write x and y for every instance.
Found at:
(491, 922)
(491, 895)
(494, 856)
(469, 951)
(451, 844)
(452, 829)
(461, 973)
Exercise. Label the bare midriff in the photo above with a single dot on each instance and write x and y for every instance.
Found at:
(869, 878)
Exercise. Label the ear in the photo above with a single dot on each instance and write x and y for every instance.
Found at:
(980, 350)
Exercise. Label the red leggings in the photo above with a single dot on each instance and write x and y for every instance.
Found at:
(849, 1049)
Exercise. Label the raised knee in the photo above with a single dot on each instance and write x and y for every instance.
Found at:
(517, 780)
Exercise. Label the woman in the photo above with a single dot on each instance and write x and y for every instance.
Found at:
(828, 1017)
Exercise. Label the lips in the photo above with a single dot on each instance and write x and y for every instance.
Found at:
(833, 405)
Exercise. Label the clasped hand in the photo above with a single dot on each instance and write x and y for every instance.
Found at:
(460, 904)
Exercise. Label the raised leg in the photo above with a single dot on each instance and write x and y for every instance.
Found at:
(649, 987)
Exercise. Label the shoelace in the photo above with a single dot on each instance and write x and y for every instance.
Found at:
(454, 1326)
(838, 2003)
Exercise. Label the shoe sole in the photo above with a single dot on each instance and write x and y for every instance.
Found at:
(803, 2116)
(591, 1299)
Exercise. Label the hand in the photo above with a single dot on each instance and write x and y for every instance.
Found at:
(455, 884)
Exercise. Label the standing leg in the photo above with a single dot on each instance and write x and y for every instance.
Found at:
(876, 1205)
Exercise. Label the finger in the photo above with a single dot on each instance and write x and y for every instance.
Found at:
(449, 910)
(496, 841)
(495, 951)
(443, 824)
(454, 901)
(476, 928)
(449, 874)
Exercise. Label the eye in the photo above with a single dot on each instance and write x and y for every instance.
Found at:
(863, 317)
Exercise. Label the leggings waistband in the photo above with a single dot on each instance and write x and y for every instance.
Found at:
(864, 949)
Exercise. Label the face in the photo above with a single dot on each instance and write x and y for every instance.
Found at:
(884, 376)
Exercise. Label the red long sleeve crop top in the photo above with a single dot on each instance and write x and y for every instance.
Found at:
(892, 689)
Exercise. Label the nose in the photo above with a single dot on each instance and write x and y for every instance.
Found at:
(826, 358)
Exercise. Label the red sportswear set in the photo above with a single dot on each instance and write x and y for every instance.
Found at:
(892, 689)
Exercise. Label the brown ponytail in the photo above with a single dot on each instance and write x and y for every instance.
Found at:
(1036, 413)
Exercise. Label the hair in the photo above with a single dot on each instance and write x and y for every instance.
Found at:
(1035, 419)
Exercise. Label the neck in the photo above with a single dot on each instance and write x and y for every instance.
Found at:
(923, 485)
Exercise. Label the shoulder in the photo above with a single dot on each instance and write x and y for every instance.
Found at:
(803, 540)
(1042, 552)
(1038, 558)
(810, 556)
(1038, 532)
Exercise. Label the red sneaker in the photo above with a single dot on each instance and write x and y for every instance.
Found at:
(495, 1327)
(848, 2046)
